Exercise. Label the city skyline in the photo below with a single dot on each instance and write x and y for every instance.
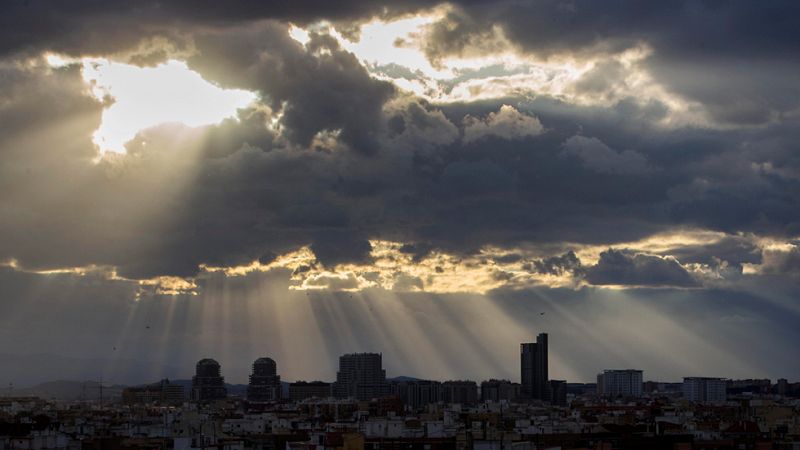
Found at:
(266, 374)
(437, 181)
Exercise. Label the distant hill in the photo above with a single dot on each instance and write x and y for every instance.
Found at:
(68, 391)
(400, 379)
(31, 370)
(71, 391)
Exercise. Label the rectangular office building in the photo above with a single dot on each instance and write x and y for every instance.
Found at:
(620, 383)
(533, 368)
(704, 389)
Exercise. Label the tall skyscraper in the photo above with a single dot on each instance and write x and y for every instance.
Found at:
(208, 383)
(620, 383)
(265, 383)
(361, 376)
(704, 390)
(533, 365)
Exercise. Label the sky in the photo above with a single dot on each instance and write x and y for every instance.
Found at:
(438, 182)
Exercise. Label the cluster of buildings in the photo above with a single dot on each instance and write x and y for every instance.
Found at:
(361, 376)
(653, 421)
(362, 409)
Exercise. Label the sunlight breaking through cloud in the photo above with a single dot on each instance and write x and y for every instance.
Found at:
(138, 98)
(396, 51)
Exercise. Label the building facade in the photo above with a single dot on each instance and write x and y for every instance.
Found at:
(704, 389)
(558, 392)
(161, 392)
(265, 383)
(620, 383)
(460, 391)
(208, 383)
(497, 390)
(534, 369)
(361, 376)
(302, 390)
(419, 393)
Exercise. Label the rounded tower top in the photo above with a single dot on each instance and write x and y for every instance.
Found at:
(207, 362)
(265, 367)
(208, 368)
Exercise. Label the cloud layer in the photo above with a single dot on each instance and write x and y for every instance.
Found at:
(644, 149)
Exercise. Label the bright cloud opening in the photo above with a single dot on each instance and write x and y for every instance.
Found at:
(394, 51)
(147, 96)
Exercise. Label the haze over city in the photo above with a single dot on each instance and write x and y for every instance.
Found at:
(435, 182)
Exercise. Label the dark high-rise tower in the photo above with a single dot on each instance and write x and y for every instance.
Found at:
(533, 368)
(361, 376)
(208, 383)
(265, 383)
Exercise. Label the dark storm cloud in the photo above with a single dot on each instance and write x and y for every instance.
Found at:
(622, 268)
(459, 198)
(597, 156)
(331, 158)
(783, 263)
(618, 267)
(691, 27)
(568, 263)
(732, 249)
(334, 248)
(418, 250)
(324, 88)
(232, 193)
(247, 195)
(102, 26)
(704, 51)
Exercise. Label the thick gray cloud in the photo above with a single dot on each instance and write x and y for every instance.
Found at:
(230, 193)
(597, 156)
(623, 268)
(244, 189)
(568, 263)
(332, 157)
(323, 87)
(735, 58)
(98, 26)
(626, 268)
(783, 263)
(731, 249)
(336, 248)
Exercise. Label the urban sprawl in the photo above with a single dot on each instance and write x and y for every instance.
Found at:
(363, 409)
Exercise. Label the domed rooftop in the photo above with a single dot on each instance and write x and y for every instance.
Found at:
(264, 360)
(207, 362)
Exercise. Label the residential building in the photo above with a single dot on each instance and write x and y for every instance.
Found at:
(620, 383)
(361, 376)
(265, 383)
(419, 393)
(302, 390)
(704, 389)
(208, 383)
(460, 391)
